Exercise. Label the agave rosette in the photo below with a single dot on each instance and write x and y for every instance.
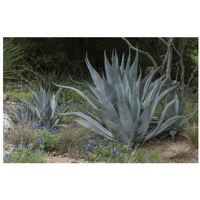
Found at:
(125, 103)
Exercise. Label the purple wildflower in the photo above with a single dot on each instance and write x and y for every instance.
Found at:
(136, 148)
(4, 139)
(108, 148)
(35, 154)
(105, 141)
(115, 144)
(98, 140)
(100, 147)
(117, 154)
(27, 146)
(21, 138)
(101, 157)
(20, 145)
(39, 141)
(43, 152)
(17, 158)
(14, 149)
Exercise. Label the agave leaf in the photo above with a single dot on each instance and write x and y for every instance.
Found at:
(95, 76)
(96, 124)
(80, 93)
(188, 117)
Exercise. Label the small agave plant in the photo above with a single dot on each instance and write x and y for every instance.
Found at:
(43, 109)
(125, 103)
(178, 109)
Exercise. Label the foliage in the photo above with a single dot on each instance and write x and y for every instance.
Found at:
(112, 152)
(73, 140)
(12, 54)
(127, 102)
(49, 138)
(24, 154)
(44, 108)
(192, 131)
(178, 109)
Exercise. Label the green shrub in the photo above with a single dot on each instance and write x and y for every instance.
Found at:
(192, 131)
(50, 140)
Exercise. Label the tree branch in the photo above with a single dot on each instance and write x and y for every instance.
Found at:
(140, 51)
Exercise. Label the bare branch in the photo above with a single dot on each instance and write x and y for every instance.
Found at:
(163, 41)
(177, 70)
(191, 77)
(142, 52)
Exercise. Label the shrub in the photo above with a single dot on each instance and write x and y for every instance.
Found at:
(49, 139)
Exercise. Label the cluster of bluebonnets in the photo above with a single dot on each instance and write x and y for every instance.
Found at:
(25, 153)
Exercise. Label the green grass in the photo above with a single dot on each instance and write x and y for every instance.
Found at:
(192, 131)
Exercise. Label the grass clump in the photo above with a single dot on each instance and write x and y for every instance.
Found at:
(192, 132)
(74, 140)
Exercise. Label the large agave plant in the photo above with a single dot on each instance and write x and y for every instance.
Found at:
(44, 108)
(178, 109)
(125, 103)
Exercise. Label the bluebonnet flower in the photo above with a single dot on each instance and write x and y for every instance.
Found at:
(14, 149)
(136, 148)
(8, 111)
(115, 144)
(100, 147)
(4, 107)
(35, 154)
(122, 143)
(98, 140)
(56, 135)
(43, 152)
(27, 146)
(117, 154)
(46, 127)
(75, 124)
(21, 138)
(89, 147)
(129, 146)
(108, 148)
(88, 136)
(39, 141)
(17, 158)
(49, 137)
(8, 158)
(39, 125)
(102, 134)
(105, 141)
(91, 143)
(101, 157)
(4, 139)
(115, 151)
(4, 102)
(43, 139)
(14, 146)
(6, 154)
(20, 145)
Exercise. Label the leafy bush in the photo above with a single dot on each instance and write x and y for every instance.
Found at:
(125, 103)
(112, 152)
(73, 140)
(192, 131)
(49, 138)
(24, 154)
